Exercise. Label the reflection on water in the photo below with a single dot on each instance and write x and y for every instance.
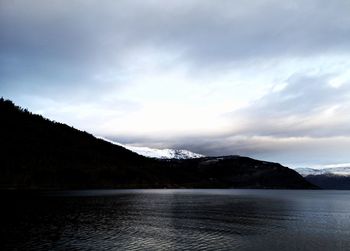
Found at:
(177, 220)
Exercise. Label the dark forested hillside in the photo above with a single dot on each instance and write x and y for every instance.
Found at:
(39, 153)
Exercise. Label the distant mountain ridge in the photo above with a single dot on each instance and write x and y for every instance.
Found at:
(37, 153)
(327, 178)
(158, 153)
(342, 171)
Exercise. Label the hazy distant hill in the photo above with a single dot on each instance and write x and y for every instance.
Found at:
(341, 171)
(327, 178)
(39, 153)
(330, 181)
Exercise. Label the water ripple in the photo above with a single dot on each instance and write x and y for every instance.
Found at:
(178, 220)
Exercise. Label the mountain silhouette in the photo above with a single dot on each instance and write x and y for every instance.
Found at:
(37, 153)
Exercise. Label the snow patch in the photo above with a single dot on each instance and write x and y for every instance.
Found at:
(341, 171)
(158, 153)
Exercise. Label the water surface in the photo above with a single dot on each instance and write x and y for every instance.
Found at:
(207, 219)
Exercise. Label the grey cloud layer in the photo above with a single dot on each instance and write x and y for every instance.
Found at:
(307, 107)
(72, 40)
(63, 50)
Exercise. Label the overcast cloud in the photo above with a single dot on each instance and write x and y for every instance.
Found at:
(265, 78)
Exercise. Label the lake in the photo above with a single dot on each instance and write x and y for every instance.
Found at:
(179, 219)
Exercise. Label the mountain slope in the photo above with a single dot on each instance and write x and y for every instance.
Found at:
(39, 153)
(240, 172)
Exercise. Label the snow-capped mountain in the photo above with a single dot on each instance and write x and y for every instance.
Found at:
(163, 153)
(159, 153)
(340, 171)
(334, 177)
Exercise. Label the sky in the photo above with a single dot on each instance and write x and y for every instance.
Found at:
(268, 79)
